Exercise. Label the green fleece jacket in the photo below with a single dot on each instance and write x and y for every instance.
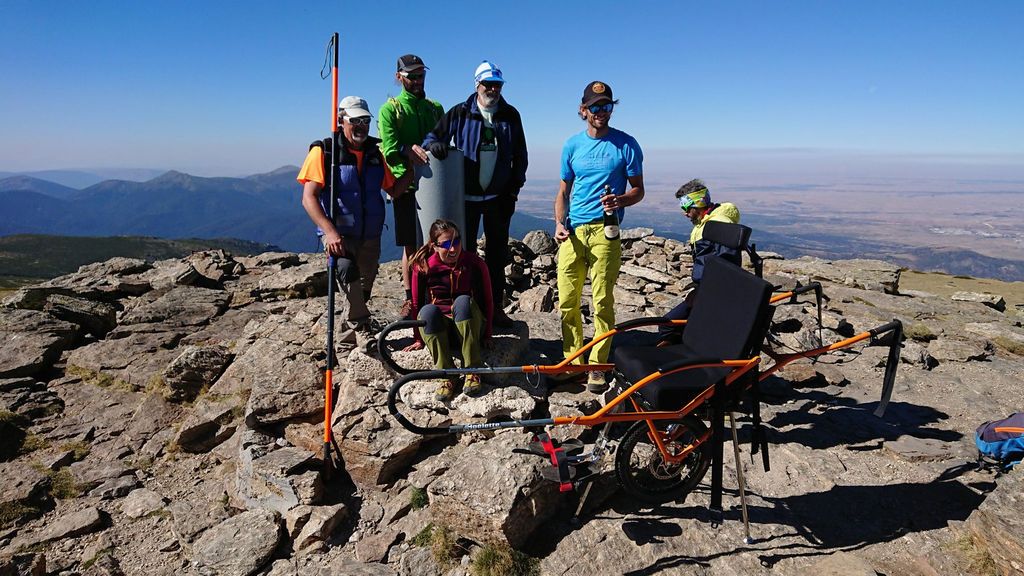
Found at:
(402, 122)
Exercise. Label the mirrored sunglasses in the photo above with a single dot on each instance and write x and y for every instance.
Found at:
(413, 75)
(595, 108)
(450, 243)
(361, 121)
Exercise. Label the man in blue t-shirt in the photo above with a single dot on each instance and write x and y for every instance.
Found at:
(592, 160)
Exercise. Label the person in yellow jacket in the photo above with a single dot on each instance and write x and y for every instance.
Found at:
(695, 202)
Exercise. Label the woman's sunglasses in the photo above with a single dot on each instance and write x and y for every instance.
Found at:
(449, 244)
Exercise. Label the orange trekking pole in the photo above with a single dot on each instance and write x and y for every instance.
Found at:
(330, 446)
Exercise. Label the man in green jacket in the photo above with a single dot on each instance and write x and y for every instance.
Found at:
(402, 124)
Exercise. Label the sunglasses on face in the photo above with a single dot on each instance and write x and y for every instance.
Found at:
(413, 75)
(491, 85)
(362, 121)
(596, 108)
(449, 244)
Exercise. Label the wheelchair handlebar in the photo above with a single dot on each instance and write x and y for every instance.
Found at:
(382, 349)
(393, 397)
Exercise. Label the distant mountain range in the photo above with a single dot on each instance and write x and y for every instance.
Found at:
(79, 179)
(264, 208)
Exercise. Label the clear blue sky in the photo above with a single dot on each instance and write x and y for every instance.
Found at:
(218, 88)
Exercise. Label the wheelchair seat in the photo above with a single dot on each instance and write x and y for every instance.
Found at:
(729, 323)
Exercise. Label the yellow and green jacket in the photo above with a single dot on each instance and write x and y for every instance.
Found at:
(724, 212)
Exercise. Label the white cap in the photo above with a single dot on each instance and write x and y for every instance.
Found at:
(353, 107)
(487, 72)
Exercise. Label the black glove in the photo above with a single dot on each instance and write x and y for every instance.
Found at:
(439, 150)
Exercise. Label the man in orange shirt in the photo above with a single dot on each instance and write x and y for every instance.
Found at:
(353, 237)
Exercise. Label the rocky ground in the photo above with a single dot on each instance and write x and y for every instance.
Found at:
(166, 418)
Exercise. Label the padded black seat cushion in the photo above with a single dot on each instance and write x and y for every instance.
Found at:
(669, 392)
(728, 323)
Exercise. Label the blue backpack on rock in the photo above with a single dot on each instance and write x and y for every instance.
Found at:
(1001, 442)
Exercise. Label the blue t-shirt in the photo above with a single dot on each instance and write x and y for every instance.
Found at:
(590, 163)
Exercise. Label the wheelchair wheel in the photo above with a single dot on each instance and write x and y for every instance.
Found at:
(643, 473)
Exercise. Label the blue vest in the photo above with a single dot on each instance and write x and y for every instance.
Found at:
(360, 208)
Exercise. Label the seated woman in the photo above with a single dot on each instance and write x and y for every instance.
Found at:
(451, 292)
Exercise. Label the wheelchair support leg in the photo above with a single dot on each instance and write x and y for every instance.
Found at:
(739, 477)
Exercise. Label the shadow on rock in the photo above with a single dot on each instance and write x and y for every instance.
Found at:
(846, 421)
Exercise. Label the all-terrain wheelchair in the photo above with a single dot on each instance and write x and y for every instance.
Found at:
(665, 424)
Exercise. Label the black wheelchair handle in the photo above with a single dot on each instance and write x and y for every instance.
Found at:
(892, 361)
(385, 353)
(812, 287)
(393, 398)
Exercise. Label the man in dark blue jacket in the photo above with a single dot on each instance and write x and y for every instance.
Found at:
(353, 237)
(489, 132)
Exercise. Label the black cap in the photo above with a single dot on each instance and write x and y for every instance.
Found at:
(596, 92)
(410, 62)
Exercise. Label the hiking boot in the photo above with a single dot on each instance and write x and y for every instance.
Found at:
(597, 382)
(501, 319)
(445, 391)
(406, 312)
(367, 343)
(471, 385)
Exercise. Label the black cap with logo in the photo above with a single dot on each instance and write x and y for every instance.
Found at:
(597, 92)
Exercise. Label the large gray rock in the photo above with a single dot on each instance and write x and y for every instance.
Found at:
(28, 397)
(181, 306)
(493, 493)
(858, 273)
(197, 367)
(31, 341)
(240, 545)
(212, 421)
(949, 350)
(23, 490)
(278, 479)
(540, 242)
(134, 360)
(141, 502)
(108, 281)
(64, 526)
(308, 280)
(96, 318)
(539, 299)
(998, 525)
(993, 301)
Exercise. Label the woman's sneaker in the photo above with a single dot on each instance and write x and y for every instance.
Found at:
(445, 391)
(471, 386)
(597, 382)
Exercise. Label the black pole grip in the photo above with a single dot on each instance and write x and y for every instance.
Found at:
(393, 398)
(385, 353)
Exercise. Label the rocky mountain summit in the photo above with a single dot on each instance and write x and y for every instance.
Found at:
(166, 418)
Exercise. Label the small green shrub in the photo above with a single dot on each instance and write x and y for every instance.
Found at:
(919, 332)
(445, 547)
(10, 512)
(419, 498)
(1011, 346)
(425, 537)
(33, 442)
(78, 448)
(502, 560)
(63, 484)
(978, 558)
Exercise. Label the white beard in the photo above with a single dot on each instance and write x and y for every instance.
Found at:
(358, 139)
(488, 102)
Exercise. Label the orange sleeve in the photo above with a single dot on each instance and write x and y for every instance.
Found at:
(313, 167)
(389, 178)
